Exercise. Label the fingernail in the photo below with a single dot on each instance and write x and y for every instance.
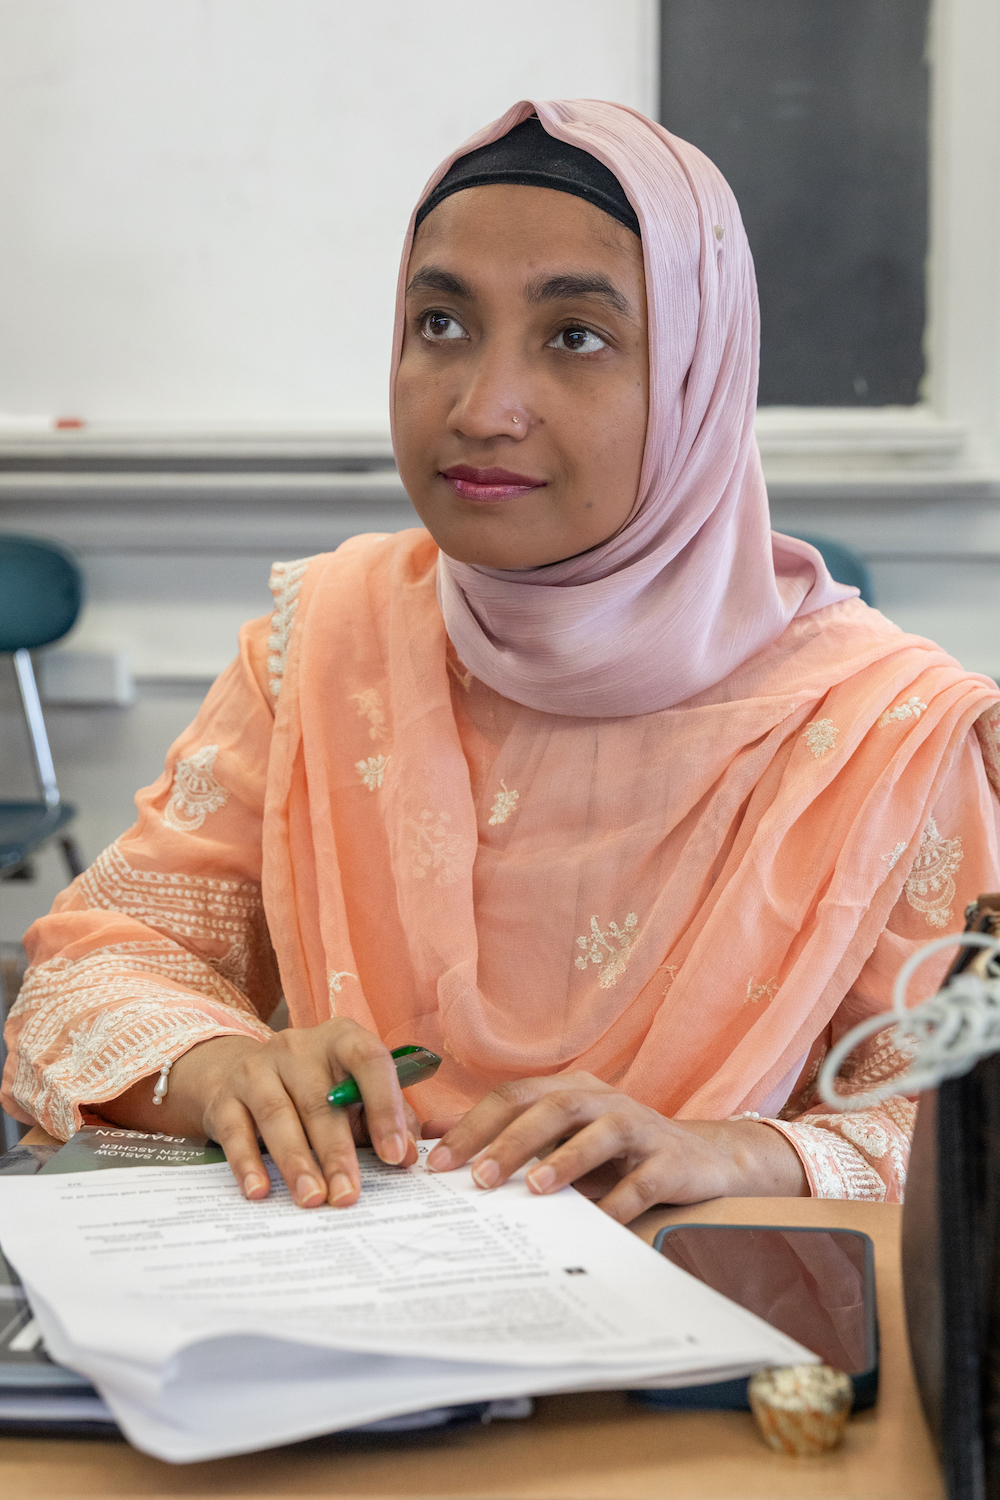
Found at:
(541, 1179)
(308, 1191)
(439, 1159)
(486, 1174)
(341, 1187)
(393, 1150)
(252, 1184)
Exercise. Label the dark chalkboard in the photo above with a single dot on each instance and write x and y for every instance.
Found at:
(816, 111)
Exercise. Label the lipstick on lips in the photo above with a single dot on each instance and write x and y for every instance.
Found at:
(488, 484)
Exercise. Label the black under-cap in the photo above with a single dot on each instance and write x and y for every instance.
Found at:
(530, 157)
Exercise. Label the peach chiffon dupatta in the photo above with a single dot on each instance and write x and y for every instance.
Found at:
(677, 902)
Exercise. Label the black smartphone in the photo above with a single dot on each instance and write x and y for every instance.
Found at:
(816, 1285)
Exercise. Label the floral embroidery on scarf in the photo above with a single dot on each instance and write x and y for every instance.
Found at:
(671, 971)
(335, 984)
(911, 709)
(930, 888)
(284, 583)
(820, 736)
(611, 960)
(465, 678)
(196, 792)
(895, 855)
(504, 804)
(372, 770)
(434, 848)
(758, 992)
(370, 707)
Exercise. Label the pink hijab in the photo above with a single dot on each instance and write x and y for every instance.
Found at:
(695, 582)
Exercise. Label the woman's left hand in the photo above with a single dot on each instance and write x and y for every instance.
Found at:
(610, 1146)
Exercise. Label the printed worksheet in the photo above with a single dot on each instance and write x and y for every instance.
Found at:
(163, 1283)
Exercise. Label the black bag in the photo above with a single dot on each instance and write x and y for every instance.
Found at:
(951, 1256)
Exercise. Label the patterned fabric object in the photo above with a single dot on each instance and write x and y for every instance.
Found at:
(286, 579)
(119, 1017)
(862, 1155)
(196, 793)
(692, 905)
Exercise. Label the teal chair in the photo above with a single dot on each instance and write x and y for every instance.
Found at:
(845, 565)
(41, 592)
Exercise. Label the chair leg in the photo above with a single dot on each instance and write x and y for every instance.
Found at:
(36, 727)
(72, 856)
(11, 1130)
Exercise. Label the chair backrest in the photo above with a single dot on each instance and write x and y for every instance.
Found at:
(41, 591)
(845, 566)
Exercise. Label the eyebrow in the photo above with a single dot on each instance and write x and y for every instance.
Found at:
(547, 289)
(560, 288)
(434, 279)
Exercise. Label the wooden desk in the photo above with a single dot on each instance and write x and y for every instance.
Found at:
(586, 1447)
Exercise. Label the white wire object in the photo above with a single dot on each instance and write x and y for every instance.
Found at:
(943, 1037)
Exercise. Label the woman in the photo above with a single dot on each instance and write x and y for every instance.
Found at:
(596, 787)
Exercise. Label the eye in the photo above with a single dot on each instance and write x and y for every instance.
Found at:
(439, 326)
(578, 341)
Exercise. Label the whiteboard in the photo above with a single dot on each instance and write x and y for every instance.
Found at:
(204, 200)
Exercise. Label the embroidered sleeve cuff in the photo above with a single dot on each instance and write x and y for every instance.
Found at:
(113, 1048)
(833, 1166)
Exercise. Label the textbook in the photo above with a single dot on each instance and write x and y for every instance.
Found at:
(211, 1325)
(97, 1147)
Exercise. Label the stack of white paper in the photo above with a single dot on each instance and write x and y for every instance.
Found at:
(215, 1326)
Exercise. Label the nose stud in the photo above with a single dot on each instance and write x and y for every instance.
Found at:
(516, 421)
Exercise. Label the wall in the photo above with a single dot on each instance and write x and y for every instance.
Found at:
(210, 195)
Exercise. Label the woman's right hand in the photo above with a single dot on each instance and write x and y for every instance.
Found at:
(234, 1089)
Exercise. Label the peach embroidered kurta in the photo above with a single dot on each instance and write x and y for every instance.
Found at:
(691, 904)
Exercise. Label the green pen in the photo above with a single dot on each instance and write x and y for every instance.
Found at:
(413, 1065)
